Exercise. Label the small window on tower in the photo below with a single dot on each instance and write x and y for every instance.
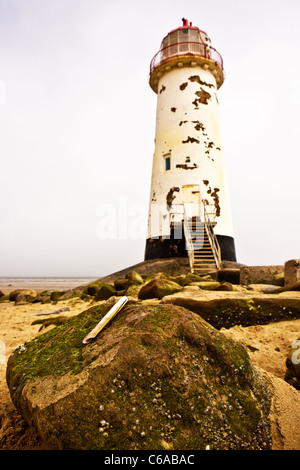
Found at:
(168, 163)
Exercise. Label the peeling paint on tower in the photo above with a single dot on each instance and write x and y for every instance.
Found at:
(196, 78)
(188, 149)
(191, 140)
(170, 196)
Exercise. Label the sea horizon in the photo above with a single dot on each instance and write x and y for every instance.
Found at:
(42, 283)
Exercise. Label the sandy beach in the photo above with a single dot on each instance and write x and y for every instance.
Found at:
(267, 346)
(15, 329)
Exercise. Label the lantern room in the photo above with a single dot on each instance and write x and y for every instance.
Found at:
(185, 46)
(186, 34)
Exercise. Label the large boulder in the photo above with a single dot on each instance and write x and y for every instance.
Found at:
(105, 292)
(92, 288)
(158, 288)
(134, 278)
(21, 299)
(157, 377)
(29, 294)
(121, 283)
(226, 309)
(60, 295)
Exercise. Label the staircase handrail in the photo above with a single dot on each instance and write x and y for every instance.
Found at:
(188, 238)
(212, 238)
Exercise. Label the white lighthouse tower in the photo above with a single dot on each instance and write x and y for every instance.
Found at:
(189, 212)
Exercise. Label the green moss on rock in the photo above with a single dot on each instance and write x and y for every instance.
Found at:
(93, 288)
(227, 312)
(134, 278)
(156, 377)
(105, 292)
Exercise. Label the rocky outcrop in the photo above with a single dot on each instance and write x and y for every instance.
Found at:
(172, 266)
(157, 377)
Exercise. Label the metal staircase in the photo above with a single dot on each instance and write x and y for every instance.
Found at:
(201, 242)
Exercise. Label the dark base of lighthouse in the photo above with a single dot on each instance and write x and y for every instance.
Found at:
(227, 247)
(164, 247)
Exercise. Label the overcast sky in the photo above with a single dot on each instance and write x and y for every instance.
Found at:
(77, 124)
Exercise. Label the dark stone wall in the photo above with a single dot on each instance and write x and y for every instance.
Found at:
(173, 247)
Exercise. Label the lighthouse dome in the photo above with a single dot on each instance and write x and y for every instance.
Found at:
(185, 46)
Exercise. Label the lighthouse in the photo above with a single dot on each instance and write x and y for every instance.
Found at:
(189, 210)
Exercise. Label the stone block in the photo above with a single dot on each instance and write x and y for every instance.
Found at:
(291, 272)
(260, 274)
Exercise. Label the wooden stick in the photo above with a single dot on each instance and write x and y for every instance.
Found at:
(103, 322)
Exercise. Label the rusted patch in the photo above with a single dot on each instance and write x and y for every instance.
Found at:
(196, 78)
(170, 196)
(185, 166)
(162, 89)
(216, 201)
(173, 110)
(191, 140)
(215, 196)
(195, 103)
(199, 126)
(203, 95)
(183, 86)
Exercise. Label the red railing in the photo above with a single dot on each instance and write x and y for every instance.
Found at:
(186, 48)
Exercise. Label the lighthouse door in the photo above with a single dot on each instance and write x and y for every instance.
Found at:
(191, 199)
